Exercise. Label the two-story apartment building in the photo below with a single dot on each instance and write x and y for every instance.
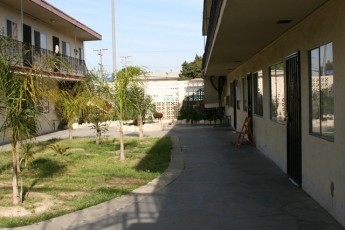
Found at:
(283, 62)
(39, 30)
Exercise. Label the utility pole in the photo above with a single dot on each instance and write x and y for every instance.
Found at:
(100, 53)
(113, 35)
(125, 60)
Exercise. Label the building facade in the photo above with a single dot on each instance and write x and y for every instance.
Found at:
(167, 93)
(38, 31)
(283, 63)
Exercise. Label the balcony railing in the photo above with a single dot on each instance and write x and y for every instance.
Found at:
(25, 56)
(212, 24)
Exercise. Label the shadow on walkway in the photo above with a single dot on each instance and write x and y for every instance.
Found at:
(210, 185)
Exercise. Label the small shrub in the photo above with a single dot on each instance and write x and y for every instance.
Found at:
(58, 149)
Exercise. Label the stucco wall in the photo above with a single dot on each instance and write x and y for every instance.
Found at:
(6, 13)
(48, 121)
(323, 162)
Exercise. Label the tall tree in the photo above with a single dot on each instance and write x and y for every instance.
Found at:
(71, 101)
(141, 104)
(124, 79)
(192, 69)
(100, 109)
(19, 96)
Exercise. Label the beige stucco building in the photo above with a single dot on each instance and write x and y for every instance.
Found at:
(44, 31)
(298, 121)
(167, 93)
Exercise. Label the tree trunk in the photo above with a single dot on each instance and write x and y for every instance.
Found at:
(122, 145)
(16, 197)
(98, 138)
(70, 133)
(141, 129)
(18, 161)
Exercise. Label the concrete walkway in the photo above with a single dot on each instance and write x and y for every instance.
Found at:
(209, 185)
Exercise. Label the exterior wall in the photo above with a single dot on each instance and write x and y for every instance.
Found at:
(167, 93)
(48, 121)
(8, 14)
(211, 96)
(323, 162)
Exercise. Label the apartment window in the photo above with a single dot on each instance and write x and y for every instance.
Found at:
(40, 40)
(66, 49)
(12, 31)
(277, 92)
(321, 91)
(258, 93)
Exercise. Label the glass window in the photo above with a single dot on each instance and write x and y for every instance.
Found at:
(43, 38)
(66, 49)
(12, 29)
(277, 85)
(258, 93)
(321, 91)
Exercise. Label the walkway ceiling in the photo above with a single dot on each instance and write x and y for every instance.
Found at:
(247, 26)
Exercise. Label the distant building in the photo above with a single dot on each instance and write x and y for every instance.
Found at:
(170, 94)
(167, 93)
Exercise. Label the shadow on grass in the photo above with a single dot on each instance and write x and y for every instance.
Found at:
(5, 167)
(158, 157)
(45, 168)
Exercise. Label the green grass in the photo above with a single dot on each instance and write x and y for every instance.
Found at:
(85, 175)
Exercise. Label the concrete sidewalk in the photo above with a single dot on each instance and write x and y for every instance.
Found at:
(210, 184)
(154, 129)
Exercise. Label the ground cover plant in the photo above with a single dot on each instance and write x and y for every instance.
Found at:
(85, 174)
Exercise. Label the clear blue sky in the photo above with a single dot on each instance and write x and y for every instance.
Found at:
(157, 34)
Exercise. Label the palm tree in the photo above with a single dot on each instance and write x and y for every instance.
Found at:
(19, 96)
(141, 103)
(124, 79)
(71, 100)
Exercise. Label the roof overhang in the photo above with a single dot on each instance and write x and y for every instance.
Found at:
(246, 27)
(59, 21)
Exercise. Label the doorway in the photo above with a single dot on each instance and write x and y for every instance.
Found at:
(234, 102)
(27, 46)
(250, 99)
(56, 51)
(293, 108)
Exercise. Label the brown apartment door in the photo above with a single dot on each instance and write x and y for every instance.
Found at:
(293, 108)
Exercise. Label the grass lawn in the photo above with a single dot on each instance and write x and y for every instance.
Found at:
(85, 175)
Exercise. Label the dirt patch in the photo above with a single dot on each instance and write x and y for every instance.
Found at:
(71, 194)
(116, 181)
(41, 202)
